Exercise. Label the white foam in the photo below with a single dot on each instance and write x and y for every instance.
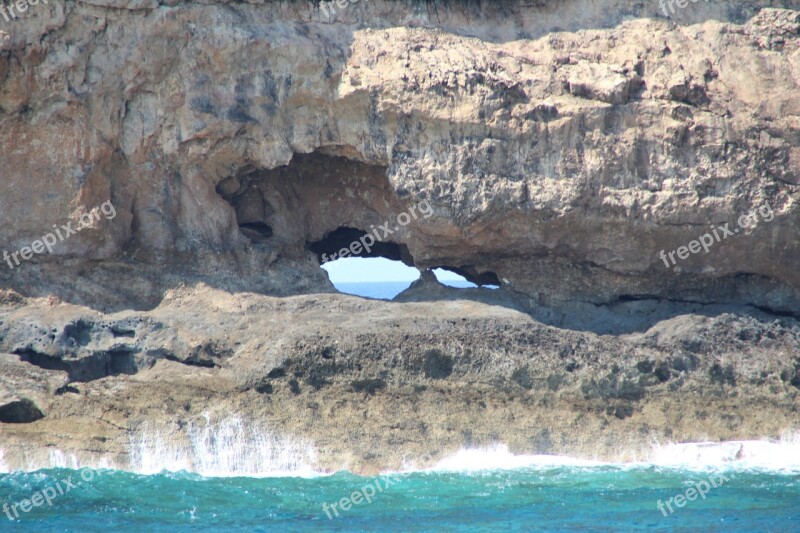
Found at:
(221, 448)
(58, 459)
(233, 447)
(764, 455)
(775, 456)
(499, 458)
(4, 469)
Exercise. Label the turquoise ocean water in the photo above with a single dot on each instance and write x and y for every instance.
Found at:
(541, 499)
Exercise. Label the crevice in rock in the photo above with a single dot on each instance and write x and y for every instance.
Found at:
(65, 389)
(777, 312)
(204, 355)
(43, 361)
(626, 298)
(21, 411)
(118, 331)
(256, 231)
(368, 386)
(116, 361)
(189, 362)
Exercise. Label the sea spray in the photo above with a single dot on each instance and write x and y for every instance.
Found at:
(228, 446)
(59, 459)
(770, 456)
(774, 456)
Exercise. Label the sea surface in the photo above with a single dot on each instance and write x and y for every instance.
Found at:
(555, 497)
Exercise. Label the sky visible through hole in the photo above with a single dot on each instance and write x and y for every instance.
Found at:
(369, 270)
(378, 269)
(359, 276)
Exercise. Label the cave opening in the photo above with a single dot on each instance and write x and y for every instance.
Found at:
(462, 279)
(370, 277)
(358, 263)
(346, 213)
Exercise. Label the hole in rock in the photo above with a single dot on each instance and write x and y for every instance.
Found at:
(455, 277)
(378, 277)
(251, 208)
(21, 411)
(256, 230)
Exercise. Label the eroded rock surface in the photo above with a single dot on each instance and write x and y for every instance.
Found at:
(584, 152)
(560, 146)
(386, 380)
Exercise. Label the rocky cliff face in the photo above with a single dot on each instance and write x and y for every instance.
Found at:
(584, 155)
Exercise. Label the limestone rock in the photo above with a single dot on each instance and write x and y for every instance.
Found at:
(591, 149)
(560, 150)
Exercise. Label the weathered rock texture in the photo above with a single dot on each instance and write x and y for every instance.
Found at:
(385, 381)
(560, 145)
